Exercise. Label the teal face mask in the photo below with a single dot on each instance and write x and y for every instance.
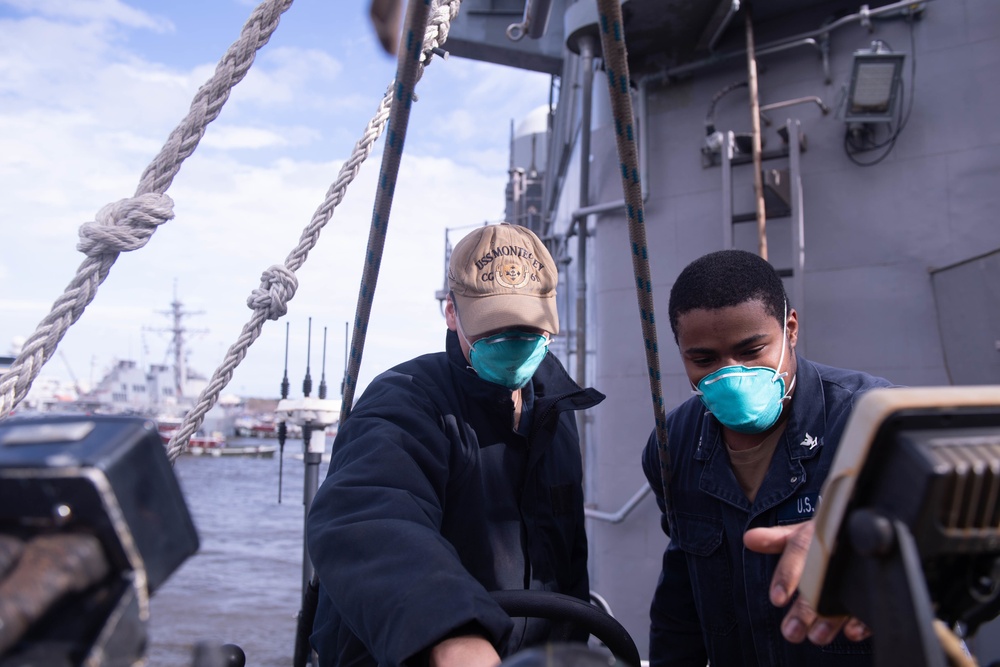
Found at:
(746, 400)
(508, 358)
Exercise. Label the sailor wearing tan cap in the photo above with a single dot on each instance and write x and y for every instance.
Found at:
(458, 473)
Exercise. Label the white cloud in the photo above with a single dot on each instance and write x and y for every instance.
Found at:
(461, 124)
(81, 117)
(290, 76)
(474, 103)
(93, 10)
(230, 137)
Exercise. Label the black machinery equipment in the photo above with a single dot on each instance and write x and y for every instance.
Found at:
(92, 522)
(908, 530)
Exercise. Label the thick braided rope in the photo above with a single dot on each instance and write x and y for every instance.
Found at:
(616, 65)
(128, 224)
(208, 101)
(278, 283)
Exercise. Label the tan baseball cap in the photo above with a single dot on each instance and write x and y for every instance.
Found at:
(502, 276)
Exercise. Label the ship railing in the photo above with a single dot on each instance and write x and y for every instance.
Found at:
(626, 509)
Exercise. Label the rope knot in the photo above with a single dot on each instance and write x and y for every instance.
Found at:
(125, 224)
(277, 287)
(438, 25)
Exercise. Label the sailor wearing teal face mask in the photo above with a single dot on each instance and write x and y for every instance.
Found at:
(749, 452)
(502, 306)
(507, 358)
(457, 473)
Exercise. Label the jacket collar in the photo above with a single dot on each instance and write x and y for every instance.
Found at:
(806, 427)
(551, 383)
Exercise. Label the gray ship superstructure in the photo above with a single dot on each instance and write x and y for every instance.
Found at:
(879, 186)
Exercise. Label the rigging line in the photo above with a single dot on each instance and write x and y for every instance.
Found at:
(128, 224)
(278, 283)
(410, 66)
(616, 65)
(409, 69)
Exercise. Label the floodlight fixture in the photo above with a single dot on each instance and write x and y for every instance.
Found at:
(876, 80)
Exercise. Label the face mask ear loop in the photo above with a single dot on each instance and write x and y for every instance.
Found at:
(788, 394)
(460, 332)
(784, 339)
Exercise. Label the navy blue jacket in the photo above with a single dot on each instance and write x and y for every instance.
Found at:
(432, 500)
(711, 601)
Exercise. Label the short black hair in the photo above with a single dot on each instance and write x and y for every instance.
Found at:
(727, 278)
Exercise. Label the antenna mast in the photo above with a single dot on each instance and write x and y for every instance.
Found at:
(177, 330)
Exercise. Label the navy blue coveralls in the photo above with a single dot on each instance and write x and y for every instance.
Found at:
(711, 601)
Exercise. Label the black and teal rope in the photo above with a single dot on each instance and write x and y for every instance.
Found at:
(616, 68)
(408, 71)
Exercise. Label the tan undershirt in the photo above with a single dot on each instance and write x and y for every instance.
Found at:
(750, 465)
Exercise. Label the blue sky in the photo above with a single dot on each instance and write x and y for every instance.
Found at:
(89, 92)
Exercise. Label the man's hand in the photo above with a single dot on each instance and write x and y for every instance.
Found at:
(801, 621)
(464, 651)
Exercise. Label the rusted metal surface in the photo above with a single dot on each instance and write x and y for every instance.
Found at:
(10, 550)
(49, 567)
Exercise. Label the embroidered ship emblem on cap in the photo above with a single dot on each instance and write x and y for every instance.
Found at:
(512, 274)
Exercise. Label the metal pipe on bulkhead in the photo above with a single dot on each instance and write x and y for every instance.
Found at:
(621, 514)
(810, 99)
(586, 113)
(560, 138)
(607, 207)
(734, 7)
(578, 221)
(902, 7)
(758, 175)
(644, 138)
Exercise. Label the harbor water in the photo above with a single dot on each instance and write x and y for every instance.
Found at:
(243, 586)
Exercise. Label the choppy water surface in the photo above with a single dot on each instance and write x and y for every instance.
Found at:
(244, 585)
